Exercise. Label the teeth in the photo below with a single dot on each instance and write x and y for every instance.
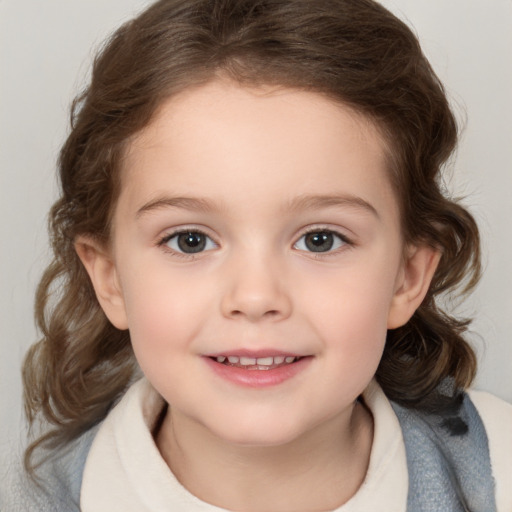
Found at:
(265, 361)
(253, 361)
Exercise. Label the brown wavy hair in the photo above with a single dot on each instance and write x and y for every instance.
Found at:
(352, 51)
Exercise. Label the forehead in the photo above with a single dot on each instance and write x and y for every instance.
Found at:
(223, 137)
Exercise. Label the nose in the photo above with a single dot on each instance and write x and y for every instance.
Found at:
(256, 290)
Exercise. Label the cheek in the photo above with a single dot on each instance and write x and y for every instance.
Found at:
(351, 307)
(163, 313)
(365, 285)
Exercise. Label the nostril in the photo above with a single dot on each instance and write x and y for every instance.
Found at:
(268, 314)
(255, 306)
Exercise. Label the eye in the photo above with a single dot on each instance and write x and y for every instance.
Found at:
(189, 242)
(320, 241)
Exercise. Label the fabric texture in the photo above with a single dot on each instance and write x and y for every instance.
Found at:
(497, 419)
(451, 453)
(419, 462)
(60, 476)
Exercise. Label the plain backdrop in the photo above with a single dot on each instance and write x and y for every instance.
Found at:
(45, 52)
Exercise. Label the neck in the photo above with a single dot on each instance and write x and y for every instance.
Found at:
(321, 470)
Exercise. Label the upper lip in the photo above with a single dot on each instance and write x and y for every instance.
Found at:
(254, 353)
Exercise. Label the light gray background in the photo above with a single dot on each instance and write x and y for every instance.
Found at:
(45, 51)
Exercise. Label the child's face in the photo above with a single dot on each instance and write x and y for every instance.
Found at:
(294, 250)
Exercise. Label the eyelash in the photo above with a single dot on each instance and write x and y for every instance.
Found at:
(162, 242)
(345, 241)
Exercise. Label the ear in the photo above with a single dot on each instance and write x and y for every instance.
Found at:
(103, 274)
(412, 283)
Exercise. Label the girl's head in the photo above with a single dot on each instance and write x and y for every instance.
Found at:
(349, 60)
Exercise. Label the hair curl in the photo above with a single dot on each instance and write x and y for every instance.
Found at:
(353, 51)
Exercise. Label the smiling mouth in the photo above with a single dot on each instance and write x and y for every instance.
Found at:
(259, 363)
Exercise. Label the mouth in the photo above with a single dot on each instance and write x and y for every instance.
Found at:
(256, 363)
(257, 370)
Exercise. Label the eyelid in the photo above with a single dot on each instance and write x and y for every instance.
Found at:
(174, 232)
(346, 241)
(162, 240)
(325, 228)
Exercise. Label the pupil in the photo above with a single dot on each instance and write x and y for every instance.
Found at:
(191, 242)
(319, 242)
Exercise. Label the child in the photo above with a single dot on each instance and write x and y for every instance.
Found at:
(250, 244)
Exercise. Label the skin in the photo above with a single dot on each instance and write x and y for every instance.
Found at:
(258, 169)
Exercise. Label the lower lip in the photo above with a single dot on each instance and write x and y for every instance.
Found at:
(258, 378)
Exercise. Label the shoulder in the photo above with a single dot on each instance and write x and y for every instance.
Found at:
(448, 454)
(495, 412)
(57, 484)
(496, 415)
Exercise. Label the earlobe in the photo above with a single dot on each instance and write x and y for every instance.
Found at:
(103, 274)
(413, 284)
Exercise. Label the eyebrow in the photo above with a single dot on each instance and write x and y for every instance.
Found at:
(317, 202)
(305, 202)
(188, 203)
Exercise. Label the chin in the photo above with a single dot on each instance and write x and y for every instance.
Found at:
(259, 434)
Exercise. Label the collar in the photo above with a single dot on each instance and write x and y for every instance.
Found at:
(124, 469)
